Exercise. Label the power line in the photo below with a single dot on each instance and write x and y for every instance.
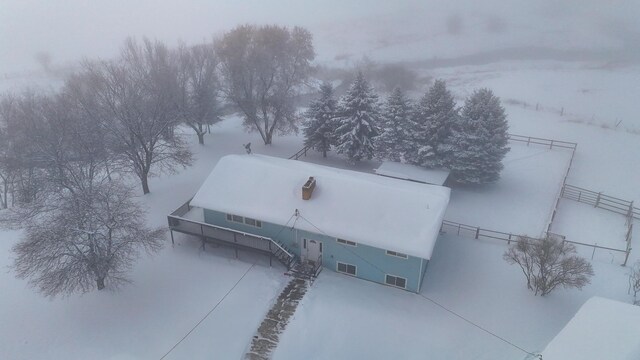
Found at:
(539, 356)
(210, 311)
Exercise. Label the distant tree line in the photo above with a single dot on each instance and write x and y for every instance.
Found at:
(433, 132)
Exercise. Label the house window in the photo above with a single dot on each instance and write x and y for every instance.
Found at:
(396, 254)
(347, 242)
(244, 220)
(396, 281)
(346, 268)
(253, 222)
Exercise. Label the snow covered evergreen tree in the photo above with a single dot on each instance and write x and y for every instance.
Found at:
(432, 119)
(319, 126)
(395, 131)
(479, 139)
(357, 121)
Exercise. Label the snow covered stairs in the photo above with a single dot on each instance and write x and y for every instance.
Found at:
(276, 320)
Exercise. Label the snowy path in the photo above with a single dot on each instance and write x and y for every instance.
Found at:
(276, 320)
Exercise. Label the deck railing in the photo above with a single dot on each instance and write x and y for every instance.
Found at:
(177, 222)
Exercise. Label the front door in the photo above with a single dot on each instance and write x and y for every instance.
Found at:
(312, 250)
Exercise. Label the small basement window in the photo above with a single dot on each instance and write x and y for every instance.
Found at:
(396, 254)
(396, 281)
(346, 268)
(347, 242)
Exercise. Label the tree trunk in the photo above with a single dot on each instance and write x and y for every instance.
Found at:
(100, 283)
(324, 153)
(145, 183)
(201, 138)
(267, 138)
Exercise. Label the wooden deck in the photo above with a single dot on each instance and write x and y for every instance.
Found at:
(228, 237)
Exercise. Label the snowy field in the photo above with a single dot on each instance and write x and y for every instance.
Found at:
(342, 317)
(522, 200)
(347, 318)
(597, 226)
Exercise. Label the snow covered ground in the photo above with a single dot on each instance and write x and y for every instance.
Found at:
(342, 317)
(346, 318)
(520, 202)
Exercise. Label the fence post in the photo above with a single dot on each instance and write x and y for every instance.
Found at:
(477, 232)
(509, 241)
(594, 251)
(598, 199)
(551, 145)
(626, 257)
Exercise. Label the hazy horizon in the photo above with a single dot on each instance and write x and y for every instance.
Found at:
(343, 31)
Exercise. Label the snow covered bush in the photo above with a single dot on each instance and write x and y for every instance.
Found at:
(478, 140)
(395, 128)
(320, 121)
(634, 282)
(548, 263)
(357, 122)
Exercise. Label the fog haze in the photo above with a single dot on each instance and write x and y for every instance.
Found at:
(344, 31)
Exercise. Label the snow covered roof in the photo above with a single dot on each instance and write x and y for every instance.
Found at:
(601, 329)
(411, 172)
(373, 210)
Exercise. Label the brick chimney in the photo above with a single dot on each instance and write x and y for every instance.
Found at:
(307, 188)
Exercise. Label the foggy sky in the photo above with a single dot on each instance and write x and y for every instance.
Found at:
(72, 29)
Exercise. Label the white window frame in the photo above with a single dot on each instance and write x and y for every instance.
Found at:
(397, 254)
(396, 277)
(346, 242)
(355, 268)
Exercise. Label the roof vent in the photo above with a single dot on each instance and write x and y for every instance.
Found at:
(307, 188)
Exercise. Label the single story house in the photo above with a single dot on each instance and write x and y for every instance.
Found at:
(371, 227)
(601, 329)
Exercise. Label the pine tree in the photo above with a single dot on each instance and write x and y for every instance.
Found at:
(479, 139)
(432, 119)
(320, 125)
(357, 121)
(393, 142)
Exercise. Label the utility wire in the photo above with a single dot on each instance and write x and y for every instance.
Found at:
(539, 356)
(209, 313)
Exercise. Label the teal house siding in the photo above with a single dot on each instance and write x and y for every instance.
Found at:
(371, 263)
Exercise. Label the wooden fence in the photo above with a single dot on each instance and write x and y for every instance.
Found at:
(600, 200)
(551, 143)
(606, 202)
(476, 232)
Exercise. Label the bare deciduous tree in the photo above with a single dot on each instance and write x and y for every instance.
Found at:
(548, 263)
(198, 87)
(134, 99)
(263, 69)
(84, 240)
(82, 230)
